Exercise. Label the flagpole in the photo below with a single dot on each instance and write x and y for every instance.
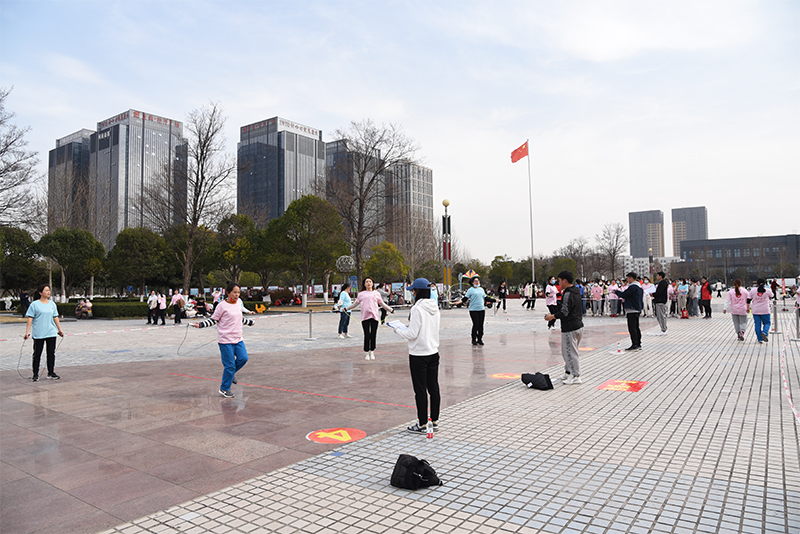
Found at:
(530, 199)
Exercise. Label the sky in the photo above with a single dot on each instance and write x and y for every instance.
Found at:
(627, 106)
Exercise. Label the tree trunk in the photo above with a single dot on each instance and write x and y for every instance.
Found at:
(91, 286)
(63, 283)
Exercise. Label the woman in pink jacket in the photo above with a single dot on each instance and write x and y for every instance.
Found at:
(369, 299)
(736, 302)
(228, 318)
(759, 303)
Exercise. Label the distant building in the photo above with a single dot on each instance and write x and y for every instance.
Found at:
(128, 154)
(410, 196)
(641, 266)
(646, 232)
(756, 256)
(279, 162)
(68, 182)
(688, 224)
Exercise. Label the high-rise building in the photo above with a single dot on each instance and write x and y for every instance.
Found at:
(279, 162)
(68, 182)
(688, 224)
(647, 232)
(410, 197)
(127, 155)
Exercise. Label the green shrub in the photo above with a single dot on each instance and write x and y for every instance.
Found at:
(108, 310)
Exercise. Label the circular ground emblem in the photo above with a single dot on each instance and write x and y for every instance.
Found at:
(336, 435)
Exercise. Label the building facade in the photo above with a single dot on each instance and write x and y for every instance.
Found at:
(688, 224)
(127, 157)
(68, 182)
(642, 266)
(410, 197)
(646, 232)
(744, 257)
(279, 162)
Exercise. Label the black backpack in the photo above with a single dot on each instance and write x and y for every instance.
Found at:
(537, 381)
(413, 473)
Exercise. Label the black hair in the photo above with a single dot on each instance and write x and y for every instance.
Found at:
(631, 275)
(566, 275)
(422, 293)
(364, 283)
(38, 293)
(345, 286)
(761, 283)
(230, 287)
(661, 274)
(737, 284)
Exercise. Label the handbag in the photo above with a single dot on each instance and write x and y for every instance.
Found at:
(412, 473)
(537, 381)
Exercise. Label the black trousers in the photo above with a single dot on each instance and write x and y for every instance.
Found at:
(152, 313)
(163, 315)
(633, 328)
(706, 305)
(370, 327)
(38, 345)
(177, 310)
(477, 324)
(553, 309)
(425, 379)
(503, 300)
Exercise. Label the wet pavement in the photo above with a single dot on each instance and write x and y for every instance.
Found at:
(708, 444)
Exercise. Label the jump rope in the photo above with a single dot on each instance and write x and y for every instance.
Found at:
(19, 362)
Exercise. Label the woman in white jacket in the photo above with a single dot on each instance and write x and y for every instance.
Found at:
(423, 348)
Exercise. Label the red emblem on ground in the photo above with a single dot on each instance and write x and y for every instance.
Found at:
(506, 376)
(336, 436)
(623, 385)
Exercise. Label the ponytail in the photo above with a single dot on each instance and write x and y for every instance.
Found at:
(761, 283)
(737, 284)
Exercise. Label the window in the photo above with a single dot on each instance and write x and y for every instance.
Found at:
(718, 253)
(737, 253)
(746, 252)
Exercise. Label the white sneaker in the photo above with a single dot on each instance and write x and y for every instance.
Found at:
(341, 336)
(371, 355)
(348, 336)
(573, 380)
(564, 376)
(366, 356)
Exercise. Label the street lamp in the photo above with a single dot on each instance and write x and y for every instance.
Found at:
(447, 258)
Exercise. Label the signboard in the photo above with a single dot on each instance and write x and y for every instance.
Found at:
(623, 385)
(353, 282)
(294, 127)
(397, 287)
(318, 288)
(336, 436)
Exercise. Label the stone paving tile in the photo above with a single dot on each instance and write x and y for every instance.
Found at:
(575, 459)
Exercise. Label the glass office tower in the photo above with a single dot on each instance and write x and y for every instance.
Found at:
(68, 191)
(688, 224)
(647, 232)
(279, 162)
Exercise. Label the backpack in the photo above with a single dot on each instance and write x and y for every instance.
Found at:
(537, 381)
(413, 473)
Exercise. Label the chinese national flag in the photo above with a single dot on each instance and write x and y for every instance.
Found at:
(519, 153)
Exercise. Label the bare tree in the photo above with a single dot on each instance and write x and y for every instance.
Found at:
(416, 240)
(611, 242)
(579, 250)
(17, 169)
(197, 196)
(356, 182)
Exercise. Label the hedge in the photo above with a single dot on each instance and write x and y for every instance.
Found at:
(114, 310)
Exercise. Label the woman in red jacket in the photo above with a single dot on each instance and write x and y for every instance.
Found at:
(705, 296)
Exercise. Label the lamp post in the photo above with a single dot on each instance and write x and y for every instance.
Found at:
(447, 257)
(650, 262)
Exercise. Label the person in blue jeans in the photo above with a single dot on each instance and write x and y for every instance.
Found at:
(477, 309)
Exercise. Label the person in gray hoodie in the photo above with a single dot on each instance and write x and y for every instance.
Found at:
(422, 335)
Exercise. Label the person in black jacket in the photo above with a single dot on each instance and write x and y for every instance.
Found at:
(633, 308)
(570, 313)
(660, 302)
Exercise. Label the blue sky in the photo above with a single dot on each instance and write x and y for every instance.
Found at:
(628, 106)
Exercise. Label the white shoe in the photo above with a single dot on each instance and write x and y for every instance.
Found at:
(366, 356)
(341, 336)
(564, 376)
(348, 336)
(573, 380)
(371, 355)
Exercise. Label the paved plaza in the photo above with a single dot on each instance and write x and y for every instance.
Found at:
(134, 438)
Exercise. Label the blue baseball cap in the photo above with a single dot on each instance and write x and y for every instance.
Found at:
(420, 283)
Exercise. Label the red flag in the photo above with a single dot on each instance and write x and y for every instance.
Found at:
(519, 153)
